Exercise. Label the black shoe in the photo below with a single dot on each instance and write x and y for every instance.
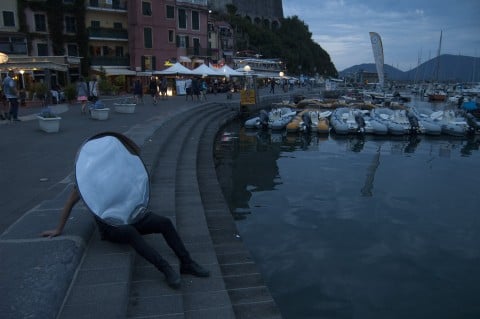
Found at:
(171, 277)
(195, 269)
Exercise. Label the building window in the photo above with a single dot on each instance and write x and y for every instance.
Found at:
(147, 38)
(182, 41)
(95, 24)
(70, 24)
(195, 20)
(146, 8)
(8, 19)
(40, 23)
(182, 19)
(93, 3)
(42, 49)
(118, 51)
(170, 12)
(116, 4)
(72, 49)
(117, 25)
(171, 36)
(148, 63)
(196, 46)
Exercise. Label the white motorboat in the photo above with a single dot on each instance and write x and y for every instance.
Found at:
(369, 124)
(278, 118)
(397, 121)
(343, 121)
(428, 125)
(449, 121)
(257, 122)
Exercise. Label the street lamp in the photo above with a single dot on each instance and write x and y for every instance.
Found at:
(247, 68)
(281, 74)
(3, 58)
(23, 79)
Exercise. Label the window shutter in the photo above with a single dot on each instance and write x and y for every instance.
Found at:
(187, 42)
(143, 63)
(177, 40)
(154, 63)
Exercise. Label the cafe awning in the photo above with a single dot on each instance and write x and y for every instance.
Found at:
(112, 71)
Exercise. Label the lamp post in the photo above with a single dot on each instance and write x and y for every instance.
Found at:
(23, 79)
(284, 87)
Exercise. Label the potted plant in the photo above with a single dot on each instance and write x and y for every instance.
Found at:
(98, 111)
(40, 90)
(126, 106)
(70, 93)
(48, 121)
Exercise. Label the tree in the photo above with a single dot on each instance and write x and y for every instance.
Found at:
(292, 42)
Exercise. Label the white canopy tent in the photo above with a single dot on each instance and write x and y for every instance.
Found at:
(177, 68)
(228, 71)
(205, 70)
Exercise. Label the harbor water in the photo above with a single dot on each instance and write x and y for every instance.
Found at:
(358, 227)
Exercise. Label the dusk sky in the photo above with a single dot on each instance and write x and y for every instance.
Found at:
(409, 29)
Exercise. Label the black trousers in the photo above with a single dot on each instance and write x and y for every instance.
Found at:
(149, 224)
(13, 108)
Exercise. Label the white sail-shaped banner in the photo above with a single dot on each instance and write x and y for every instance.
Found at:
(377, 48)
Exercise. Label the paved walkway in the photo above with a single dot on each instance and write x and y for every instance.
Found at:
(77, 275)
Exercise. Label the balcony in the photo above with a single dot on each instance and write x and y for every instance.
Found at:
(115, 5)
(110, 60)
(108, 33)
(205, 52)
(194, 2)
(13, 48)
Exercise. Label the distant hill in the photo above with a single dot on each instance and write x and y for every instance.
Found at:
(454, 68)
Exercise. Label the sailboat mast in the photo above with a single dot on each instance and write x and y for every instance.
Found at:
(437, 68)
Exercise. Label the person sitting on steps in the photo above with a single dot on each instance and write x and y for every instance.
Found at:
(132, 234)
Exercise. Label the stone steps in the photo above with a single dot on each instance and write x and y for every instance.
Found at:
(149, 294)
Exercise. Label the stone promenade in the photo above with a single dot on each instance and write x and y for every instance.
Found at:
(77, 275)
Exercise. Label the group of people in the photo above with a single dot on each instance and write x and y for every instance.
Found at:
(9, 97)
(197, 87)
(156, 88)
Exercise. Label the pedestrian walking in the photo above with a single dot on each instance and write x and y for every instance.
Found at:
(203, 90)
(5, 105)
(188, 89)
(82, 94)
(10, 90)
(153, 88)
(93, 90)
(164, 88)
(138, 91)
(272, 86)
(196, 88)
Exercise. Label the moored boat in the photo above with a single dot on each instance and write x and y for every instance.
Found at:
(396, 120)
(343, 121)
(369, 124)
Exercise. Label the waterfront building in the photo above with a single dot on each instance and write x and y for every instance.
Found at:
(106, 22)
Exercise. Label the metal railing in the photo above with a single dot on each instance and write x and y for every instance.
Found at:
(108, 33)
(110, 60)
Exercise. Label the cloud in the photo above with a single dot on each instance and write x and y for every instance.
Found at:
(407, 27)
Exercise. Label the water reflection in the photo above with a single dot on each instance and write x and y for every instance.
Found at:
(358, 227)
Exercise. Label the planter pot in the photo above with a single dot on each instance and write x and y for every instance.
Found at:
(99, 114)
(49, 124)
(125, 107)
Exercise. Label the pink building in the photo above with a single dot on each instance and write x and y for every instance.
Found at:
(168, 30)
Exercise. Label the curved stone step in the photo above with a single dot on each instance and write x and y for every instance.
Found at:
(149, 295)
(248, 293)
